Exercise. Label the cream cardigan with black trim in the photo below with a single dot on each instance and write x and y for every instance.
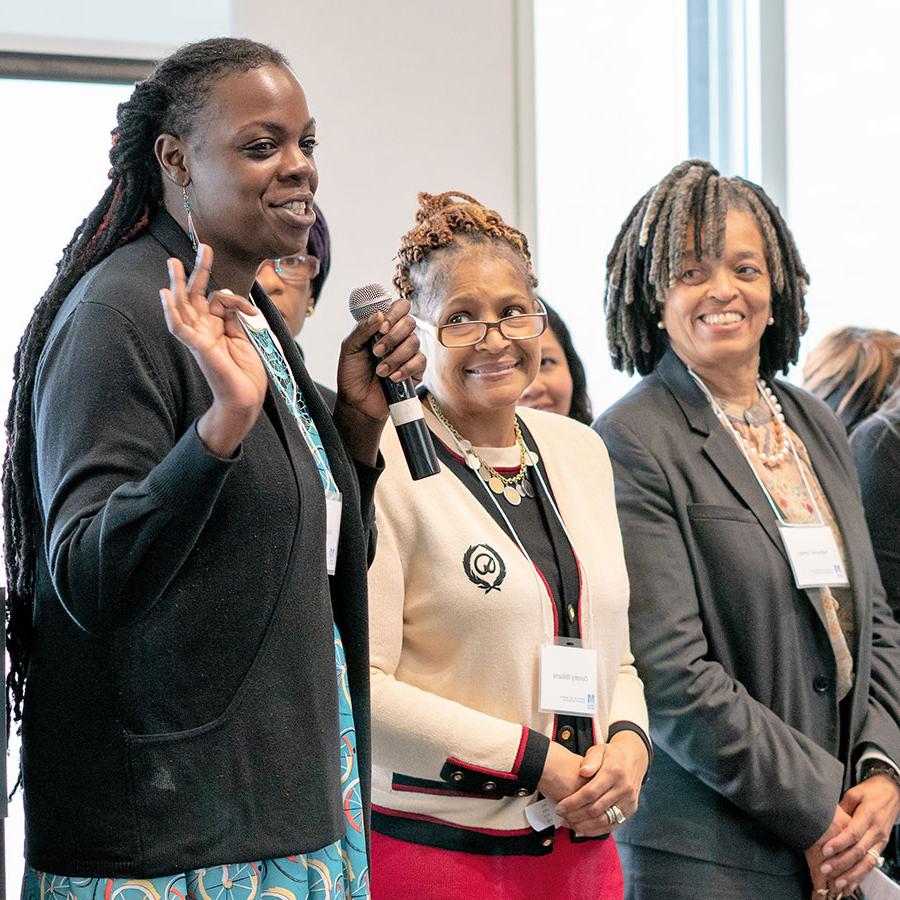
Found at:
(458, 741)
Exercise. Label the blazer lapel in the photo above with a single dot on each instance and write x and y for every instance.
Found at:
(837, 488)
(719, 447)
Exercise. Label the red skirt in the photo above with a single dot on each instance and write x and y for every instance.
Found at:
(588, 870)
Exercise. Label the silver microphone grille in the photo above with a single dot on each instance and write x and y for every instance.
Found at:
(365, 301)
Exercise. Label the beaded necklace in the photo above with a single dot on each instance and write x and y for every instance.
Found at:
(781, 439)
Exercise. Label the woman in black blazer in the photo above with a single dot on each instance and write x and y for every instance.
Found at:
(774, 696)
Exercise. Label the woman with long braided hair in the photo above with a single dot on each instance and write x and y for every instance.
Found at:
(487, 782)
(771, 659)
(187, 528)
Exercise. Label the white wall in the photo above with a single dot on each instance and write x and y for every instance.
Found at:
(130, 28)
(408, 96)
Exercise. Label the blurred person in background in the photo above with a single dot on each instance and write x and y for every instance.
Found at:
(852, 370)
(561, 384)
(294, 284)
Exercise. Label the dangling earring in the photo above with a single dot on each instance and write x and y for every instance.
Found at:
(771, 320)
(192, 231)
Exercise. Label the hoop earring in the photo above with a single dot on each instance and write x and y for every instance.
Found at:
(186, 203)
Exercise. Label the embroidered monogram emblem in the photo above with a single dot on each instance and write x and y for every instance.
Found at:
(485, 567)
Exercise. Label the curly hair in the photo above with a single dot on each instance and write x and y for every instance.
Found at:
(445, 224)
(647, 257)
(169, 101)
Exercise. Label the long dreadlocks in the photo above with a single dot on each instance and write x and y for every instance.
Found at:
(446, 223)
(646, 260)
(169, 101)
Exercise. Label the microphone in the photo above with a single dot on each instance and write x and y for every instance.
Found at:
(404, 405)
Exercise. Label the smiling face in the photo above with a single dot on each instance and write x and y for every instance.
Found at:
(552, 389)
(486, 379)
(716, 313)
(252, 174)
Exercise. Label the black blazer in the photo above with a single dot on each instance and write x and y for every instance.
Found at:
(752, 752)
(875, 443)
(181, 708)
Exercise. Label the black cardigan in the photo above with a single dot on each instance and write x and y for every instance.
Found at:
(875, 443)
(181, 708)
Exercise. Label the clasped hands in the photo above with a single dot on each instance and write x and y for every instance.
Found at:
(584, 788)
(841, 858)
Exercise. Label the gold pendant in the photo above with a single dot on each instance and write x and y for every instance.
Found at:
(511, 495)
(496, 484)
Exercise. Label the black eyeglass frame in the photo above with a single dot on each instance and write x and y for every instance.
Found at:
(438, 330)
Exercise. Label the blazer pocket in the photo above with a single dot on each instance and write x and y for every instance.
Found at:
(705, 511)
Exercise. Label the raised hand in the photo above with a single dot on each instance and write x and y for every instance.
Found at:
(209, 328)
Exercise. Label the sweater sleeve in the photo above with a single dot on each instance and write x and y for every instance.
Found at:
(423, 734)
(124, 496)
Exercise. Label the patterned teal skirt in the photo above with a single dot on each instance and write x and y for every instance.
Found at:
(337, 872)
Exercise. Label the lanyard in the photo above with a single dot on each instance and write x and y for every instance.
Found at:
(272, 356)
(723, 418)
(547, 622)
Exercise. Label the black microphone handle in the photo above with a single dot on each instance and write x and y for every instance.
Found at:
(415, 437)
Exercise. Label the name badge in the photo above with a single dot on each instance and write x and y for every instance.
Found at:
(568, 680)
(814, 556)
(333, 506)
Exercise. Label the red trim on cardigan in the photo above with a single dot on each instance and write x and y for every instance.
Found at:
(494, 773)
(446, 792)
(520, 753)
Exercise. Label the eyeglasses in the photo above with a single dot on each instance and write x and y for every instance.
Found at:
(300, 267)
(467, 334)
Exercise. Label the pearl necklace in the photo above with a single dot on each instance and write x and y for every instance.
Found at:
(511, 487)
(770, 460)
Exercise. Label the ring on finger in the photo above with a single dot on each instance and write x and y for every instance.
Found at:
(876, 856)
(615, 815)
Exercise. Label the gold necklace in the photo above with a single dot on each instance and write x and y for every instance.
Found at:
(511, 487)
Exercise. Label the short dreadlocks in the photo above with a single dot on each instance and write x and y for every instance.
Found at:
(646, 260)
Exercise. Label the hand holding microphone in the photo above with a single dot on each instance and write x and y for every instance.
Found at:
(367, 393)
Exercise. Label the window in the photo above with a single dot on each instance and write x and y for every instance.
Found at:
(842, 140)
(55, 162)
(611, 118)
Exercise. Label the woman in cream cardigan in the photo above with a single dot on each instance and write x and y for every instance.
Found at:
(482, 573)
